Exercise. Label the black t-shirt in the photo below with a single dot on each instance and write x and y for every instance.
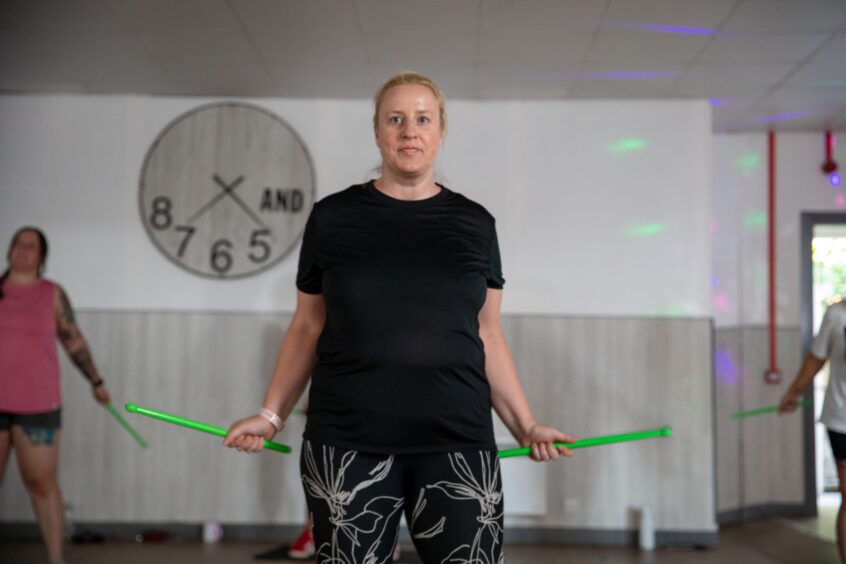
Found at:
(401, 366)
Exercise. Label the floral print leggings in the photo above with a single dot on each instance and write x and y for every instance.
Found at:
(452, 504)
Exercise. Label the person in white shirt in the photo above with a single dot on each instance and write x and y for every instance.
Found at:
(829, 346)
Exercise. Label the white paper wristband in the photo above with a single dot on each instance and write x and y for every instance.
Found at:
(274, 419)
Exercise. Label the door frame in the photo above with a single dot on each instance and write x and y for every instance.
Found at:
(809, 221)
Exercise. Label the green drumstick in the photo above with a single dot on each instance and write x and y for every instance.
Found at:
(126, 425)
(768, 409)
(196, 425)
(596, 441)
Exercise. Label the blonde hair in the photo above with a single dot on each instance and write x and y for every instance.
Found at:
(408, 77)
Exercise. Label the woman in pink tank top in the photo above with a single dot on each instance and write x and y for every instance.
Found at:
(34, 312)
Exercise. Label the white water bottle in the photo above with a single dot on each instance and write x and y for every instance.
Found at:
(646, 534)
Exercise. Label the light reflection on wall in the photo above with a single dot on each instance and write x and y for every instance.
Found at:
(755, 220)
(726, 367)
(624, 146)
(721, 301)
(645, 229)
(748, 163)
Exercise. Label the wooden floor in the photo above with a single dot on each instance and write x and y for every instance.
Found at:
(763, 542)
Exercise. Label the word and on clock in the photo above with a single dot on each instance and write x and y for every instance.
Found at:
(244, 216)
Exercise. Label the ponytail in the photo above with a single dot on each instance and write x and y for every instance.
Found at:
(2, 280)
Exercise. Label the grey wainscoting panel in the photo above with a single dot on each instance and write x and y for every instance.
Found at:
(760, 459)
(588, 376)
(727, 371)
(599, 376)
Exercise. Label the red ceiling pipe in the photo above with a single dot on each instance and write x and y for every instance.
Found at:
(829, 165)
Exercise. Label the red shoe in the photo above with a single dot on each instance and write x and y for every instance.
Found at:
(303, 547)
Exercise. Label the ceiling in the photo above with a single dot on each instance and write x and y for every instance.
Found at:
(762, 63)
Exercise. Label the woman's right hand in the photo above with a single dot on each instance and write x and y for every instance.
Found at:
(788, 402)
(249, 434)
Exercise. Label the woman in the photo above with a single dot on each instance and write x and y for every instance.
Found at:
(33, 313)
(398, 317)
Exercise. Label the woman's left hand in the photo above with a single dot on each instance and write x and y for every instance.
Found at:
(101, 395)
(541, 438)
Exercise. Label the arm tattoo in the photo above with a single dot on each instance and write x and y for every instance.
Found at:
(72, 338)
(82, 359)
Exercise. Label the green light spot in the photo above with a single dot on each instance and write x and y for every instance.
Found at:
(645, 229)
(755, 220)
(626, 146)
(748, 162)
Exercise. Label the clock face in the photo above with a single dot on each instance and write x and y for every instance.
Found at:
(226, 190)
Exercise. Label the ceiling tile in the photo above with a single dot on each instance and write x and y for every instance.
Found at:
(757, 48)
(792, 16)
(541, 16)
(502, 82)
(195, 43)
(434, 18)
(688, 13)
(806, 97)
(162, 15)
(723, 78)
(533, 49)
(834, 51)
(283, 16)
(412, 50)
(818, 76)
(316, 81)
(643, 48)
(602, 80)
(307, 48)
(797, 119)
(55, 14)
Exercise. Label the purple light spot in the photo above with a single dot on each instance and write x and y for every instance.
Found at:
(779, 117)
(713, 281)
(671, 29)
(834, 179)
(726, 368)
(625, 75)
(719, 102)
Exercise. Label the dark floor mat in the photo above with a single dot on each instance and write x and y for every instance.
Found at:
(281, 553)
(278, 553)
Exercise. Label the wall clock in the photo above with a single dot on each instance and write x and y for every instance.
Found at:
(226, 190)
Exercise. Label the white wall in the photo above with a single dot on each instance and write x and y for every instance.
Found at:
(566, 205)
(568, 209)
(749, 472)
(740, 283)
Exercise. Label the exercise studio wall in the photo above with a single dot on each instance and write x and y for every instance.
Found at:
(603, 213)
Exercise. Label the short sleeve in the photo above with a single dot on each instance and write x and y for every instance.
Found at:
(494, 276)
(309, 273)
(824, 341)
